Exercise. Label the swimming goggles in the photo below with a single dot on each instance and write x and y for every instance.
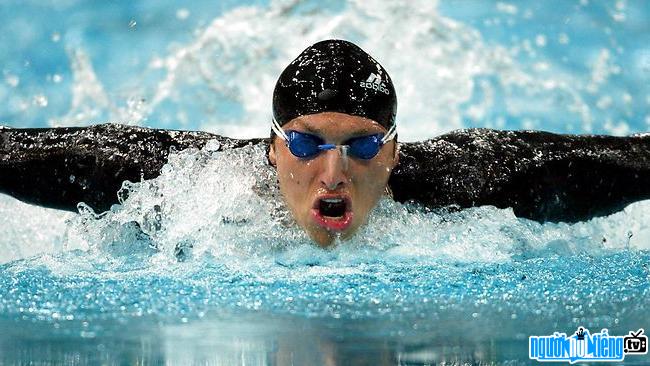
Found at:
(306, 146)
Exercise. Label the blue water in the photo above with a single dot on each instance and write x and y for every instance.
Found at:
(197, 266)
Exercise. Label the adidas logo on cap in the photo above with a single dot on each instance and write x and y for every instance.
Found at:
(374, 82)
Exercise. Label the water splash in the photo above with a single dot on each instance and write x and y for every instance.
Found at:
(227, 204)
(28, 230)
(88, 95)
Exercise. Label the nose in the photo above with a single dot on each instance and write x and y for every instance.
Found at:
(334, 175)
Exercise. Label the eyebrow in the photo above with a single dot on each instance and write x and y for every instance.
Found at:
(316, 131)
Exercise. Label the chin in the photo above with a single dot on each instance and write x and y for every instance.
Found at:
(324, 239)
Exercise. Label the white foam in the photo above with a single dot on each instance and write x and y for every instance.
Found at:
(29, 230)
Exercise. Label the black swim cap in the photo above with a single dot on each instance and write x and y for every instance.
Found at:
(335, 76)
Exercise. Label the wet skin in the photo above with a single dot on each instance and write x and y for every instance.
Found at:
(305, 182)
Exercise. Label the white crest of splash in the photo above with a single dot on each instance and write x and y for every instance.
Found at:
(88, 95)
(90, 99)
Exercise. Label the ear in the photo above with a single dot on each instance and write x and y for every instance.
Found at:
(272, 157)
(396, 156)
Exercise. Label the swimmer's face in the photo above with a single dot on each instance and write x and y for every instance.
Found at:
(327, 196)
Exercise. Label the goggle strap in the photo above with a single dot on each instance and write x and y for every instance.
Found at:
(275, 126)
(392, 131)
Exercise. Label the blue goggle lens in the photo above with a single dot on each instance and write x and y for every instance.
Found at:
(365, 147)
(304, 145)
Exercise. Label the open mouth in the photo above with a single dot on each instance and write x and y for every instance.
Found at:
(332, 207)
(333, 212)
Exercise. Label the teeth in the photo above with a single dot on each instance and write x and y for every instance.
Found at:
(333, 200)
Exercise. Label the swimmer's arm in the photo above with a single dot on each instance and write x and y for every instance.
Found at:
(542, 176)
(60, 167)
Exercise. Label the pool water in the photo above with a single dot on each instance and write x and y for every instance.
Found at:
(203, 264)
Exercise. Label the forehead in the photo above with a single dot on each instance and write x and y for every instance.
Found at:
(334, 124)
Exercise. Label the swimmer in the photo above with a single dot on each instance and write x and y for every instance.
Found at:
(334, 145)
(333, 138)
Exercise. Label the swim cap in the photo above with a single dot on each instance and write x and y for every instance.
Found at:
(335, 76)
